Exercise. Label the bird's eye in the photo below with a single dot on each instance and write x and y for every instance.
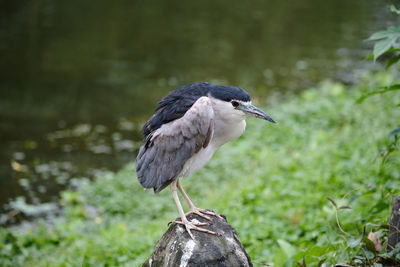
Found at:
(235, 104)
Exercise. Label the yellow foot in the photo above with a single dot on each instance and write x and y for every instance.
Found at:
(193, 226)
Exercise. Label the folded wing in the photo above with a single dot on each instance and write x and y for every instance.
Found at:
(166, 150)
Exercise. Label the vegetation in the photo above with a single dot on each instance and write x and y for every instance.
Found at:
(305, 191)
(387, 44)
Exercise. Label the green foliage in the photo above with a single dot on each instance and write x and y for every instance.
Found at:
(273, 185)
(386, 42)
(380, 90)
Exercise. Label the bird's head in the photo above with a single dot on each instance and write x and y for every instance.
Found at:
(250, 110)
(237, 102)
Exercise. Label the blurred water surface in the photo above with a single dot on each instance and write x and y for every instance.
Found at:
(77, 78)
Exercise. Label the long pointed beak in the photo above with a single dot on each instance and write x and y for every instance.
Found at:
(255, 112)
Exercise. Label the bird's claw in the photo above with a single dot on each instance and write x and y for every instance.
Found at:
(199, 212)
(209, 212)
(193, 226)
(202, 212)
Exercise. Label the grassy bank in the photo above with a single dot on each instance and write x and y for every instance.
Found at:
(272, 184)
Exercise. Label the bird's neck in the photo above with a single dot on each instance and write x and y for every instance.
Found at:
(228, 125)
(226, 132)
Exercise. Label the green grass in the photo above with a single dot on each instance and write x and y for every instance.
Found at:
(272, 184)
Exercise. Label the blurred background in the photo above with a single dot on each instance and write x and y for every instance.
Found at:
(78, 78)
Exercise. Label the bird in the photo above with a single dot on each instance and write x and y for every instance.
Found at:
(189, 124)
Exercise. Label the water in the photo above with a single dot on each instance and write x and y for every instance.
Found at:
(77, 78)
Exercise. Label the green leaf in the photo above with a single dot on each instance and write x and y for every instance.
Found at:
(288, 263)
(394, 132)
(382, 46)
(393, 50)
(369, 56)
(380, 90)
(287, 248)
(378, 35)
(392, 61)
(394, 10)
(391, 254)
(369, 244)
(321, 262)
(388, 33)
(386, 40)
(373, 225)
(369, 254)
(353, 242)
(393, 87)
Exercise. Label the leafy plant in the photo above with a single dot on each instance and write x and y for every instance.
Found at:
(370, 251)
(387, 44)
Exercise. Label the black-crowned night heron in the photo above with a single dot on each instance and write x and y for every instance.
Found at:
(187, 127)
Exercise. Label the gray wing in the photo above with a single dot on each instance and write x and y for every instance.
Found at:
(162, 157)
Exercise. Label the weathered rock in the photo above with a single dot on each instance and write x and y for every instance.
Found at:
(176, 248)
(394, 225)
